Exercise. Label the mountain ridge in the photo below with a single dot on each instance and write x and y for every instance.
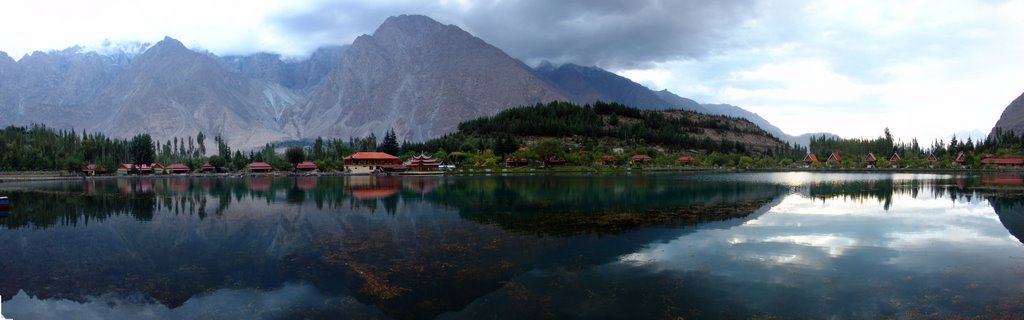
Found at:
(413, 74)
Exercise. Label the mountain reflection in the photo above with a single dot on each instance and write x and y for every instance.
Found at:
(464, 247)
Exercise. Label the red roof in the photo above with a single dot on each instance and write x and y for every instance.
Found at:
(640, 157)
(371, 156)
(178, 167)
(811, 158)
(207, 166)
(156, 166)
(686, 159)
(870, 158)
(960, 158)
(259, 166)
(607, 158)
(1003, 161)
(89, 167)
(895, 157)
(306, 165)
(932, 158)
(835, 156)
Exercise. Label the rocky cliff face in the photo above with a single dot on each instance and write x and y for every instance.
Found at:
(419, 77)
(170, 91)
(1012, 118)
(414, 75)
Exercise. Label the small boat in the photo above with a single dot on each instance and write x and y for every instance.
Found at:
(5, 205)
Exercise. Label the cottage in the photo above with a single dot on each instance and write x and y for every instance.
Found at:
(932, 159)
(260, 167)
(554, 161)
(960, 159)
(513, 161)
(609, 159)
(157, 168)
(895, 159)
(422, 162)
(128, 168)
(871, 160)
(178, 168)
(207, 167)
(369, 162)
(640, 158)
(306, 166)
(92, 169)
(810, 158)
(1003, 161)
(835, 157)
(685, 160)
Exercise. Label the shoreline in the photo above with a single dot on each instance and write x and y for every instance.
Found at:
(11, 177)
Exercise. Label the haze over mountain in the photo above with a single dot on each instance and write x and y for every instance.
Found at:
(1012, 118)
(414, 75)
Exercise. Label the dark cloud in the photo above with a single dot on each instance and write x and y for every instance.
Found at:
(609, 33)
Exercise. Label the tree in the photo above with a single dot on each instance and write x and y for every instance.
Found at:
(390, 143)
(200, 139)
(295, 155)
(217, 161)
(141, 149)
(548, 148)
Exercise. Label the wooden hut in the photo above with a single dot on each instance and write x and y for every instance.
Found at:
(178, 168)
(685, 160)
(810, 158)
(835, 157)
(260, 167)
(871, 160)
(640, 158)
(207, 167)
(932, 159)
(306, 166)
(960, 159)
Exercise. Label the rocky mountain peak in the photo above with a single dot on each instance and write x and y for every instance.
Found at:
(1012, 118)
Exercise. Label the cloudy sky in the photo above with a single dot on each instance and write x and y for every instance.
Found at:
(925, 69)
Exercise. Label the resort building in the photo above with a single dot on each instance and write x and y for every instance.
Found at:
(960, 159)
(128, 168)
(178, 168)
(513, 161)
(207, 167)
(92, 169)
(260, 167)
(640, 158)
(810, 158)
(895, 159)
(369, 162)
(554, 161)
(871, 160)
(306, 166)
(932, 159)
(835, 157)
(422, 162)
(1003, 161)
(685, 160)
(157, 168)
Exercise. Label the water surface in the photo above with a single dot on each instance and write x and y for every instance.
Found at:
(625, 246)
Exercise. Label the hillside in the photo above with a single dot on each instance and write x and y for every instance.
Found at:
(1012, 118)
(616, 125)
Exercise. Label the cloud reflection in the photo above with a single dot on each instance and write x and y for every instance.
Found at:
(284, 302)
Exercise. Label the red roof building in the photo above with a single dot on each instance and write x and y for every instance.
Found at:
(835, 157)
(516, 161)
(895, 157)
(157, 168)
(371, 158)
(260, 167)
(810, 158)
(554, 161)
(640, 158)
(960, 158)
(306, 166)
(685, 160)
(178, 168)
(207, 167)
(932, 159)
(422, 162)
(92, 169)
(609, 159)
(870, 159)
(1003, 161)
(126, 168)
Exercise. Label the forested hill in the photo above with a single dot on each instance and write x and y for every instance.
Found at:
(615, 125)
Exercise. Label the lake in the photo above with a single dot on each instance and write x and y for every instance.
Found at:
(723, 245)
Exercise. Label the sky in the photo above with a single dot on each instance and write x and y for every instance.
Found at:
(924, 69)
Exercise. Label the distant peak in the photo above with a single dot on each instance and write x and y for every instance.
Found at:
(169, 42)
(409, 25)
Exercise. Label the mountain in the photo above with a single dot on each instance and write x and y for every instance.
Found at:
(413, 74)
(1012, 118)
(734, 111)
(171, 91)
(420, 78)
(589, 84)
(302, 74)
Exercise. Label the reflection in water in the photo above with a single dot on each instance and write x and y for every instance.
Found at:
(472, 247)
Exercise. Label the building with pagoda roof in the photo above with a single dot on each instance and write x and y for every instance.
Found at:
(422, 162)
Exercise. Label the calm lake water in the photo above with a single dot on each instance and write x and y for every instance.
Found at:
(802, 245)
